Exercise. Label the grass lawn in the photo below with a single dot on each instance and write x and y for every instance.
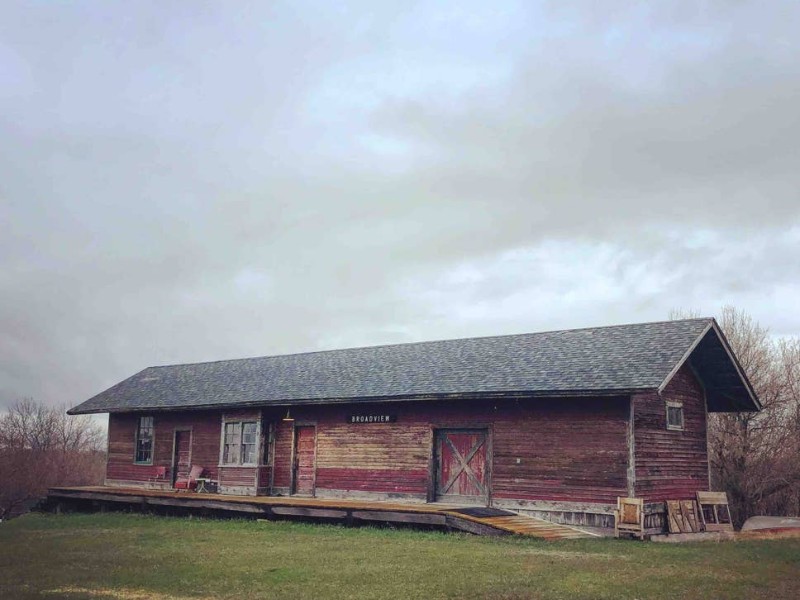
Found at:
(137, 557)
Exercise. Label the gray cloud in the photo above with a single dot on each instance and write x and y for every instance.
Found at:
(195, 183)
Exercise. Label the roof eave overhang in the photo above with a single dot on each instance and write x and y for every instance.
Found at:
(283, 403)
(712, 325)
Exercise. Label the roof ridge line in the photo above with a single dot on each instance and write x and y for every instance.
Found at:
(421, 342)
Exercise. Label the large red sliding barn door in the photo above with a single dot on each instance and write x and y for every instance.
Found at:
(305, 447)
(461, 469)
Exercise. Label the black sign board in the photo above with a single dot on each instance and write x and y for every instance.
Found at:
(381, 418)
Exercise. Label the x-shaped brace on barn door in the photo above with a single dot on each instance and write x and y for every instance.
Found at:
(464, 464)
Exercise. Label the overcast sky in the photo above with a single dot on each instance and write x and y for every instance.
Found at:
(188, 181)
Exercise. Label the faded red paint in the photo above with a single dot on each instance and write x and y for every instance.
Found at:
(565, 449)
(671, 464)
(282, 477)
(461, 463)
(568, 449)
(237, 477)
(205, 429)
(183, 451)
(305, 463)
(373, 480)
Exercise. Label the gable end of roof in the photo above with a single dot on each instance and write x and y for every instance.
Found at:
(727, 386)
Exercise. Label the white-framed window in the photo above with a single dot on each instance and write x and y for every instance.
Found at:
(674, 415)
(240, 443)
(143, 446)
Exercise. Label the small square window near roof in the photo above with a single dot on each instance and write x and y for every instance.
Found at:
(674, 415)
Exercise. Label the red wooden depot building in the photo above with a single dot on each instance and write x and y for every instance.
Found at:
(556, 424)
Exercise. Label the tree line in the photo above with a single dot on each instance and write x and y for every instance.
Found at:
(755, 457)
(42, 447)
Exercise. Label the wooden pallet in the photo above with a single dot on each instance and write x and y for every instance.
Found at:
(682, 516)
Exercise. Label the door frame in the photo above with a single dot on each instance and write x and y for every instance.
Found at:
(293, 463)
(174, 462)
(434, 458)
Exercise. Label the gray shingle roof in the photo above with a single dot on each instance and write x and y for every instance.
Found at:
(616, 359)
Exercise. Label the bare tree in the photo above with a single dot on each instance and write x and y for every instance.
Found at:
(755, 456)
(41, 447)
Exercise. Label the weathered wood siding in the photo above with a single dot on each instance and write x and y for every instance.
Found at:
(544, 452)
(284, 436)
(555, 449)
(238, 479)
(205, 448)
(671, 465)
(387, 458)
(205, 427)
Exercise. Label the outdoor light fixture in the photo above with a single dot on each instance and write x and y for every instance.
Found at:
(288, 417)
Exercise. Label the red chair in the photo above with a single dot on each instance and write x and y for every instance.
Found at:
(190, 482)
(159, 476)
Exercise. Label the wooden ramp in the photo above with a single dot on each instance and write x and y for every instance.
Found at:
(515, 523)
(477, 520)
(525, 525)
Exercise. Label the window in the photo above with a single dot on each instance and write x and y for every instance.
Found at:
(240, 443)
(144, 442)
(232, 443)
(675, 415)
(248, 443)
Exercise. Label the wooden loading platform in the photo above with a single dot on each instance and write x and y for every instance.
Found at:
(472, 519)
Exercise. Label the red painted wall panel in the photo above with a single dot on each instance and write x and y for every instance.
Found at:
(283, 453)
(237, 476)
(373, 480)
(568, 449)
(206, 431)
(671, 465)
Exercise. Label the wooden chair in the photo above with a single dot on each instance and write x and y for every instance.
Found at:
(714, 512)
(629, 517)
(190, 482)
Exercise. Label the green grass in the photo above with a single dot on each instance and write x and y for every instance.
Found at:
(136, 557)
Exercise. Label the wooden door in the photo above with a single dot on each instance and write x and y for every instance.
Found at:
(461, 465)
(305, 448)
(182, 460)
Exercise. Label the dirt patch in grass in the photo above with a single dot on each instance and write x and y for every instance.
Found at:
(118, 594)
(769, 534)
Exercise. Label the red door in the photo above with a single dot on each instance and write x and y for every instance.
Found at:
(461, 474)
(305, 447)
(182, 461)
